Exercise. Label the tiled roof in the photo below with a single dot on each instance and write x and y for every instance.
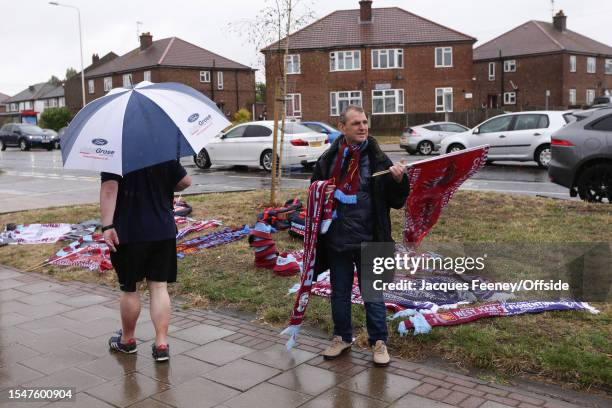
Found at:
(37, 91)
(3, 97)
(165, 52)
(390, 26)
(539, 37)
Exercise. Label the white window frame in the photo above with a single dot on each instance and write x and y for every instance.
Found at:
(220, 80)
(53, 103)
(27, 105)
(351, 97)
(91, 87)
(573, 63)
(21, 106)
(297, 113)
(398, 58)
(509, 98)
(510, 65)
(608, 66)
(397, 94)
(62, 102)
(146, 76)
(14, 107)
(444, 92)
(127, 80)
(591, 65)
(292, 64)
(572, 96)
(336, 56)
(108, 83)
(492, 71)
(589, 100)
(444, 51)
(204, 76)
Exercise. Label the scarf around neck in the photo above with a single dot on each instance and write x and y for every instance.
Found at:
(347, 183)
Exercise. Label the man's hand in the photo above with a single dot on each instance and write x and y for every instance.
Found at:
(111, 238)
(330, 189)
(397, 171)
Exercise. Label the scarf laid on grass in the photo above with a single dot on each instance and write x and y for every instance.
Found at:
(224, 236)
(197, 227)
(347, 186)
(423, 322)
(314, 215)
(432, 184)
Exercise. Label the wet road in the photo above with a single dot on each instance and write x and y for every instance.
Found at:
(36, 179)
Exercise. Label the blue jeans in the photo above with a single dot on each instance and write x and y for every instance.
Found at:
(341, 265)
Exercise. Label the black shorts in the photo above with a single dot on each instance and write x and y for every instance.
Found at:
(155, 261)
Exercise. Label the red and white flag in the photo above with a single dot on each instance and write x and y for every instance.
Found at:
(432, 184)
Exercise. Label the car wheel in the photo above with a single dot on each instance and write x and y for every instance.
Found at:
(425, 147)
(542, 156)
(202, 160)
(595, 183)
(455, 147)
(56, 145)
(23, 145)
(266, 160)
(2, 145)
(410, 152)
(49, 148)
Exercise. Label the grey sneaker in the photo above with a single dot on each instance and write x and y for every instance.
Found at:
(380, 355)
(337, 347)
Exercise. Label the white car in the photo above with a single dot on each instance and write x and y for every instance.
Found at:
(425, 139)
(518, 136)
(250, 144)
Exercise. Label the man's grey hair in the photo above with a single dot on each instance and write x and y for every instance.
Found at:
(349, 108)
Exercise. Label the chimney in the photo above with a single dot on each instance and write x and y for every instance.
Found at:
(95, 58)
(146, 39)
(560, 21)
(365, 11)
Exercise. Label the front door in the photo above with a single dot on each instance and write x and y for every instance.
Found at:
(492, 101)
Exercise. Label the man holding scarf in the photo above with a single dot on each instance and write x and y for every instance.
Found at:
(361, 214)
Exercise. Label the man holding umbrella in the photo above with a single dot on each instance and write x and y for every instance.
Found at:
(138, 226)
(135, 137)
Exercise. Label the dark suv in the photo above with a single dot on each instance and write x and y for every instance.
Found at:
(582, 156)
(24, 136)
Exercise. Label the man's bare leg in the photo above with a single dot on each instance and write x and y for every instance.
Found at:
(160, 310)
(129, 305)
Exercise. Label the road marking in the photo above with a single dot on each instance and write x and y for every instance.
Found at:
(51, 176)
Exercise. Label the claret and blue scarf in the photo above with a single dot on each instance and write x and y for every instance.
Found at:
(347, 187)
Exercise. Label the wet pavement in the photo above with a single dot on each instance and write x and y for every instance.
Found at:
(54, 334)
(36, 179)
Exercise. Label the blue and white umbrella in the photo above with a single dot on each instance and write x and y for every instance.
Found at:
(132, 128)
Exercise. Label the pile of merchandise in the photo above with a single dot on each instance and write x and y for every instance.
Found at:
(260, 238)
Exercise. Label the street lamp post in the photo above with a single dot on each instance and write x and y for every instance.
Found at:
(54, 3)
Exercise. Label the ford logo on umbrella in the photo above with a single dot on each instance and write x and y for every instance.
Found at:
(99, 142)
(193, 117)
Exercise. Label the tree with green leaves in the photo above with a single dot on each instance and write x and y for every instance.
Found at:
(54, 80)
(260, 92)
(55, 118)
(70, 72)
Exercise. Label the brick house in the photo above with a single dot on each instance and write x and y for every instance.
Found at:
(230, 84)
(517, 69)
(72, 86)
(387, 60)
(27, 105)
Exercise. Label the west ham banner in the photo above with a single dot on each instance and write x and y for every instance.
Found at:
(432, 184)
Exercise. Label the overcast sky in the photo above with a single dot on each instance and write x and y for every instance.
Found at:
(38, 40)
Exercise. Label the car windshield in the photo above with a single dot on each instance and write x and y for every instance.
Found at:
(294, 128)
(31, 129)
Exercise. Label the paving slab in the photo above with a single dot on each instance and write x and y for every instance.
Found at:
(379, 383)
(268, 396)
(341, 398)
(241, 374)
(202, 334)
(198, 392)
(308, 379)
(277, 356)
(128, 390)
(219, 352)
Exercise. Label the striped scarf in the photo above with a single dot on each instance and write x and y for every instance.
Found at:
(347, 186)
(317, 204)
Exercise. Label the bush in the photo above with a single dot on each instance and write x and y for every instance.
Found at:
(55, 118)
(243, 115)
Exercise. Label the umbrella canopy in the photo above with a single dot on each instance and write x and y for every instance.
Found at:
(132, 128)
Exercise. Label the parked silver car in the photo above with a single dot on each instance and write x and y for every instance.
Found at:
(424, 138)
(582, 156)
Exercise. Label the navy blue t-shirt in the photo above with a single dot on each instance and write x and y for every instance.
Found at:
(144, 211)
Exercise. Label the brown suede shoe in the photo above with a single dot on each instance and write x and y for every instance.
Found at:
(380, 355)
(336, 348)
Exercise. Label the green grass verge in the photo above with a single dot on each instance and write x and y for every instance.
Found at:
(567, 347)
